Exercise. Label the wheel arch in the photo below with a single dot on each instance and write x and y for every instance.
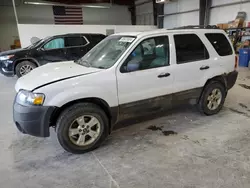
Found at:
(25, 59)
(111, 114)
(221, 78)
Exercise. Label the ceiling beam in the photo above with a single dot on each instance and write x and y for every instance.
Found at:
(75, 2)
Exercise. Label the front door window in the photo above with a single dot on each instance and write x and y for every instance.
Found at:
(55, 44)
(150, 53)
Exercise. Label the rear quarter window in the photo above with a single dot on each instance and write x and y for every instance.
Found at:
(220, 43)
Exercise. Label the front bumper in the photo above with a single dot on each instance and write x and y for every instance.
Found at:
(6, 68)
(231, 79)
(33, 120)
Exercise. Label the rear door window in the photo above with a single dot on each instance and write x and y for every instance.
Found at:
(97, 38)
(220, 43)
(75, 41)
(189, 48)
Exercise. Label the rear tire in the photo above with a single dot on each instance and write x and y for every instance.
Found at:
(212, 98)
(24, 67)
(82, 128)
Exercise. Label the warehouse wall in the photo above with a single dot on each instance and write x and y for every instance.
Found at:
(32, 14)
(227, 13)
(217, 14)
(144, 12)
(191, 18)
(8, 28)
(27, 31)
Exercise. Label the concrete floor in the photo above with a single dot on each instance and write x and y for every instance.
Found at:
(205, 152)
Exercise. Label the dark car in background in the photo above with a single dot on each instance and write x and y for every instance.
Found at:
(51, 49)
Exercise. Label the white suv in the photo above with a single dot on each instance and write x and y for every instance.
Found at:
(124, 76)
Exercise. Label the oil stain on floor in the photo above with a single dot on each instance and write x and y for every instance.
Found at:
(239, 112)
(154, 128)
(243, 105)
(244, 86)
(166, 133)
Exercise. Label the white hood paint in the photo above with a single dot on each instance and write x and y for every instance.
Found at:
(50, 73)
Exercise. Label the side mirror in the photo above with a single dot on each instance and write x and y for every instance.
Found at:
(42, 49)
(132, 67)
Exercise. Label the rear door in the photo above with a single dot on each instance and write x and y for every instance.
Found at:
(192, 62)
(76, 46)
(52, 51)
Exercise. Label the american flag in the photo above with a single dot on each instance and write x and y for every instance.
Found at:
(67, 15)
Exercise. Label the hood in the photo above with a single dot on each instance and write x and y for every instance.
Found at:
(52, 72)
(12, 52)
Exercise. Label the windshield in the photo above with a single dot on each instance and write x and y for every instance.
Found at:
(107, 52)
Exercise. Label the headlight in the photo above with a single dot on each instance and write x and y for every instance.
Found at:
(28, 98)
(2, 58)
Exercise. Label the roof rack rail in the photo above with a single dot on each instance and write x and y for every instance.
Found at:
(196, 27)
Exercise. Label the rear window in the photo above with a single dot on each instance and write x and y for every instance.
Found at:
(189, 48)
(220, 43)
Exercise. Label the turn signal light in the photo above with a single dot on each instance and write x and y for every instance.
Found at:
(38, 100)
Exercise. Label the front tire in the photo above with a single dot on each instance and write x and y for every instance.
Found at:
(24, 67)
(82, 128)
(212, 98)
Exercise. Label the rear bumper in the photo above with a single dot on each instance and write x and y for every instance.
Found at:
(231, 79)
(6, 68)
(33, 120)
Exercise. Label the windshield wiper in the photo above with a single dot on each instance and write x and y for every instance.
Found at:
(101, 67)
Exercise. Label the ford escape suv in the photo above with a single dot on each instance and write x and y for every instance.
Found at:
(124, 76)
(51, 49)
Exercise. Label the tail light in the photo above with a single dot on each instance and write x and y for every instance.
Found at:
(236, 62)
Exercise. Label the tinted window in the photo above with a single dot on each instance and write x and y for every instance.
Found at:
(220, 43)
(150, 53)
(54, 44)
(189, 47)
(75, 41)
(95, 39)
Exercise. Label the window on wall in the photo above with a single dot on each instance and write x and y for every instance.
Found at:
(220, 43)
(55, 44)
(189, 47)
(150, 53)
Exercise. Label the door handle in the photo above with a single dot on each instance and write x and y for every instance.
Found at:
(204, 67)
(163, 75)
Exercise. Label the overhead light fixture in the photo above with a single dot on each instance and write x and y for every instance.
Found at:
(67, 5)
(163, 1)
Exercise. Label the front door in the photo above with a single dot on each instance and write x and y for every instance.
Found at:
(145, 79)
(52, 51)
